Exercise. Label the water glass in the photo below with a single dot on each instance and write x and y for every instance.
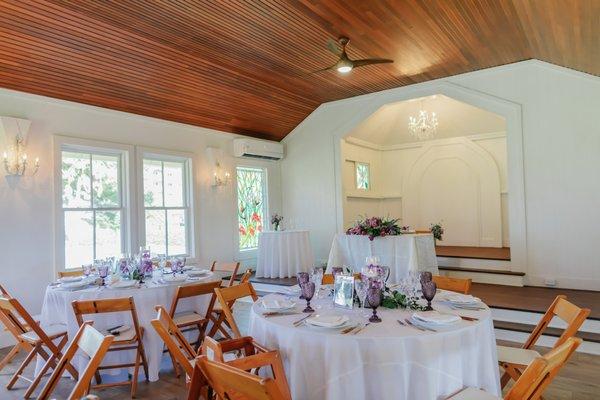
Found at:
(103, 272)
(429, 289)
(308, 291)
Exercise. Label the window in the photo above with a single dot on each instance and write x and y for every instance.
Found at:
(251, 193)
(166, 204)
(92, 205)
(362, 176)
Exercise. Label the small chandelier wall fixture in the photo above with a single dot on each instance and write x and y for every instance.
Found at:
(424, 126)
(15, 159)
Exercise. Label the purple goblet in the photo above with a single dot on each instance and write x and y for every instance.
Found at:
(425, 276)
(308, 291)
(103, 273)
(429, 289)
(374, 300)
(302, 277)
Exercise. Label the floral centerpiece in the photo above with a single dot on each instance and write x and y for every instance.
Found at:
(437, 230)
(276, 221)
(374, 227)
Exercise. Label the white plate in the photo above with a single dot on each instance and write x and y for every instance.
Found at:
(435, 318)
(328, 321)
(198, 272)
(462, 299)
(123, 284)
(74, 285)
(177, 278)
(68, 279)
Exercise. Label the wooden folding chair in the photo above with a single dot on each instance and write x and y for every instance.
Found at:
(231, 381)
(91, 342)
(16, 326)
(131, 339)
(191, 320)
(37, 338)
(227, 297)
(226, 267)
(217, 318)
(534, 380)
(515, 360)
(179, 348)
(75, 272)
(453, 284)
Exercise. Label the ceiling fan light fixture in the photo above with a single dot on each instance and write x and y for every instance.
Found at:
(344, 69)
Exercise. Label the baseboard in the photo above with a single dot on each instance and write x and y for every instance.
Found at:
(564, 282)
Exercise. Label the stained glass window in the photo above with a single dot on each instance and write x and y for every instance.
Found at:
(251, 205)
(362, 176)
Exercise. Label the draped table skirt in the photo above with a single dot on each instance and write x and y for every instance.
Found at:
(383, 361)
(283, 254)
(402, 253)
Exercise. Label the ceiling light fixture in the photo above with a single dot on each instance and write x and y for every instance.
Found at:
(424, 126)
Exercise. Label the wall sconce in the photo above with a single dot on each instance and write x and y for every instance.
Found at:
(220, 177)
(15, 159)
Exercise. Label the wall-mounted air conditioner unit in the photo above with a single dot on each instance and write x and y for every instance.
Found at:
(261, 149)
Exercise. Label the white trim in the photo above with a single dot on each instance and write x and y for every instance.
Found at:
(509, 110)
(126, 152)
(414, 145)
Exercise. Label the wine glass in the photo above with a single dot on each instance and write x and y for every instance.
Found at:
(87, 269)
(374, 295)
(425, 276)
(316, 276)
(361, 287)
(428, 289)
(308, 291)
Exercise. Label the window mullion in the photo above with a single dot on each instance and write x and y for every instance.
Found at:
(166, 232)
(94, 235)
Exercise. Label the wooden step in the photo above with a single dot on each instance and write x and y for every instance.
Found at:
(554, 332)
(482, 270)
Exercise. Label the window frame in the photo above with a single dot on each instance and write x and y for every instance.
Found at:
(188, 194)
(356, 165)
(125, 154)
(250, 253)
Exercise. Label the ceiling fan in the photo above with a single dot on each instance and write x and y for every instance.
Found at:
(345, 64)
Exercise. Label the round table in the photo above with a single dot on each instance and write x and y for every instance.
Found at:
(383, 361)
(283, 254)
(57, 309)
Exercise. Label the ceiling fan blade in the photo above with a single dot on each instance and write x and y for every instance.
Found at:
(369, 61)
(322, 70)
(333, 47)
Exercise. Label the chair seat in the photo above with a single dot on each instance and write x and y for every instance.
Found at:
(514, 355)
(187, 318)
(52, 331)
(125, 336)
(473, 394)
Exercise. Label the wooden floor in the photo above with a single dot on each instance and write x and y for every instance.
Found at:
(533, 298)
(486, 253)
(578, 380)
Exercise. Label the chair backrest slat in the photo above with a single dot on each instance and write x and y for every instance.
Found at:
(453, 284)
(76, 272)
(226, 267)
(197, 289)
(227, 297)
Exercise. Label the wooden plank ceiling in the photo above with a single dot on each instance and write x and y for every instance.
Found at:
(244, 66)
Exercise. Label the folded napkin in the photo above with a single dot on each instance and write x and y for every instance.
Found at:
(327, 321)
(74, 285)
(66, 279)
(434, 317)
(122, 284)
(275, 304)
(176, 278)
(198, 271)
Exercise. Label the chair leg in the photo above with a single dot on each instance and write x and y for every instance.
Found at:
(136, 369)
(175, 366)
(22, 367)
(36, 380)
(144, 361)
(9, 357)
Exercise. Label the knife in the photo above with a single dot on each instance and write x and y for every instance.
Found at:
(296, 323)
(361, 328)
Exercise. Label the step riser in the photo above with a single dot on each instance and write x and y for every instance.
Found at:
(482, 277)
(530, 318)
(473, 263)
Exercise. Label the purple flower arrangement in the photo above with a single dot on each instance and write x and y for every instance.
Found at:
(374, 227)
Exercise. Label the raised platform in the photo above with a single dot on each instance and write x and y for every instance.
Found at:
(479, 253)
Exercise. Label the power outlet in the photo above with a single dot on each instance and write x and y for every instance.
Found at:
(550, 282)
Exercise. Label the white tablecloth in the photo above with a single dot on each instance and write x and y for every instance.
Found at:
(57, 308)
(385, 360)
(402, 253)
(283, 254)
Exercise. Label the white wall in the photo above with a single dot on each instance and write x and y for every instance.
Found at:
(460, 186)
(561, 152)
(26, 211)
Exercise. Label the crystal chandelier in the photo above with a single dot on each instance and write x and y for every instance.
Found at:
(424, 126)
